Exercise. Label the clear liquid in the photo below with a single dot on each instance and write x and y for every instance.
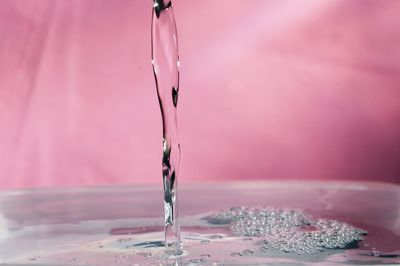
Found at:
(250, 236)
(236, 236)
(311, 223)
(165, 60)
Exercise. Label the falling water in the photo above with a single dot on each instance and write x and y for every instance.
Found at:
(165, 60)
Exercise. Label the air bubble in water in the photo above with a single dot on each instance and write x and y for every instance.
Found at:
(215, 237)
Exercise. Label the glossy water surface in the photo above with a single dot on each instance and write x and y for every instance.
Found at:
(124, 225)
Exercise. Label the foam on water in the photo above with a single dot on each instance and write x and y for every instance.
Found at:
(288, 231)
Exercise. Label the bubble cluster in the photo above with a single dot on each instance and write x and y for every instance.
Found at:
(288, 231)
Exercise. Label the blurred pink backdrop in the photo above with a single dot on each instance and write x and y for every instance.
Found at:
(269, 90)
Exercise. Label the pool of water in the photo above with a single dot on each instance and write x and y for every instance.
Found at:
(220, 225)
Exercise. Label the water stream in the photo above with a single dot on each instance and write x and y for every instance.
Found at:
(165, 60)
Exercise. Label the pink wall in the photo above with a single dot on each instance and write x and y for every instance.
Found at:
(269, 90)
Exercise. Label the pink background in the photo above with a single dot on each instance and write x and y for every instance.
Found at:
(269, 90)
